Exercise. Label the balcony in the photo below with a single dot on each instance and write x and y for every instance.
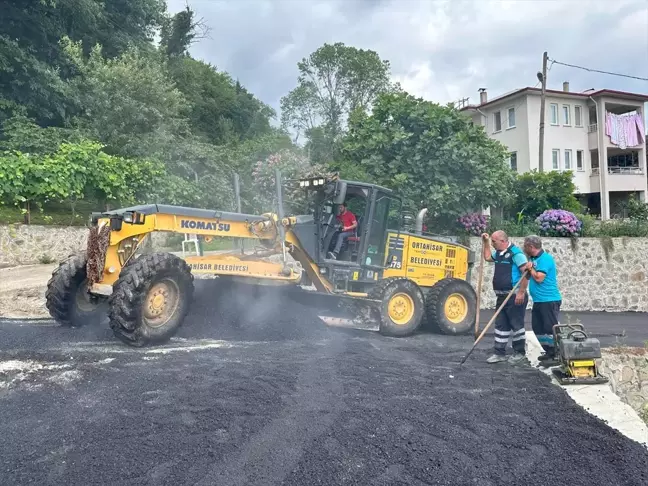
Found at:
(620, 179)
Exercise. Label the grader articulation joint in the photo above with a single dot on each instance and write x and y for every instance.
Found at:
(404, 278)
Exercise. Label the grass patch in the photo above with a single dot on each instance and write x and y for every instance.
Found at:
(55, 214)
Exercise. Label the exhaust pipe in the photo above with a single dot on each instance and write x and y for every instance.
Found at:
(418, 228)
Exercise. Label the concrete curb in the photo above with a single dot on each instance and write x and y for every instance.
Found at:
(598, 400)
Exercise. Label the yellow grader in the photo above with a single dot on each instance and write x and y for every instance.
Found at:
(403, 277)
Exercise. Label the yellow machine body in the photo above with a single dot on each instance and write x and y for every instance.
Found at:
(424, 260)
(421, 259)
(390, 276)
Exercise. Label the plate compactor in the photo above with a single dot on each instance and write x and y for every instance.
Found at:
(576, 355)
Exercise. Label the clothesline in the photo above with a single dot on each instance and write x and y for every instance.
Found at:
(625, 130)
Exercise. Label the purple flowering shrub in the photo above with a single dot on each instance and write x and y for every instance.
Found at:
(474, 223)
(558, 222)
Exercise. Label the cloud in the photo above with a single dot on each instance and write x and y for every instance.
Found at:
(440, 50)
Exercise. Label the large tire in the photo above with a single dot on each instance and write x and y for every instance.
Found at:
(151, 299)
(451, 307)
(67, 298)
(402, 306)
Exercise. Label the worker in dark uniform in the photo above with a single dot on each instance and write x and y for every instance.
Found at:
(510, 262)
(543, 287)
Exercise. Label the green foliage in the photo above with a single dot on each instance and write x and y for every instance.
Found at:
(33, 66)
(22, 134)
(30, 86)
(351, 171)
(535, 192)
(129, 103)
(618, 228)
(431, 155)
(177, 33)
(637, 210)
(73, 172)
(293, 165)
(334, 81)
(219, 110)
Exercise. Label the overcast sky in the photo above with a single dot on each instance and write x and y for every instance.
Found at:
(439, 50)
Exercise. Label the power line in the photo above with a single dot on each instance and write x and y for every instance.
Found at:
(599, 71)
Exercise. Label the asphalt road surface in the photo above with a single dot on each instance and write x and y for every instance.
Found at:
(610, 328)
(258, 391)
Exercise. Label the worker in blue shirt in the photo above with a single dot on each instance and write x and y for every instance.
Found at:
(543, 287)
(509, 264)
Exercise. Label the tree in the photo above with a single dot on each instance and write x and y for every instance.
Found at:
(30, 86)
(180, 31)
(22, 134)
(219, 109)
(293, 166)
(126, 101)
(536, 192)
(334, 81)
(33, 66)
(432, 155)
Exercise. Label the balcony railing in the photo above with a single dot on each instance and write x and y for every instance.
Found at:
(621, 170)
(592, 128)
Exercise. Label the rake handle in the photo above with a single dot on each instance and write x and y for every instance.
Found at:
(479, 287)
(492, 319)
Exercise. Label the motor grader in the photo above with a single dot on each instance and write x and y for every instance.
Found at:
(385, 273)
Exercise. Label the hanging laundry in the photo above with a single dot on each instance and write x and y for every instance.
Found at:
(626, 130)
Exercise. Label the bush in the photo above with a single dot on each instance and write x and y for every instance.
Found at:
(558, 222)
(536, 192)
(513, 228)
(637, 210)
(623, 227)
(474, 223)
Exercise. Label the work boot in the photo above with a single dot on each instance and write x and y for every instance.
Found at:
(517, 358)
(547, 360)
(496, 358)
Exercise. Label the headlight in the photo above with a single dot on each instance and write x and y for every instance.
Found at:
(128, 217)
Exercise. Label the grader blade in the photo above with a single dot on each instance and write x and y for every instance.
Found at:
(340, 310)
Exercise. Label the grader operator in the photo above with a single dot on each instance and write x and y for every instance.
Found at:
(403, 278)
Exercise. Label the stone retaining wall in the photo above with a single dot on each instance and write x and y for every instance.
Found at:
(628, 374)
(594, 274)
(27, 245)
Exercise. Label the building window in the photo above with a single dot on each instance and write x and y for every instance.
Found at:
(580, 166)
(513, 161)
(554, 114)
(555, 159)
(568, 159)
(498, 121)
(511, 117)
(578, 116)
(566, 115)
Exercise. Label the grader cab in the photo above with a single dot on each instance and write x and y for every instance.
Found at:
(403, 278)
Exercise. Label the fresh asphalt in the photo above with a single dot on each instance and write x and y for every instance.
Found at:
(610, 328)
(256, 390)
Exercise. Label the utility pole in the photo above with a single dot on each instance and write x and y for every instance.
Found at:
(543, 79)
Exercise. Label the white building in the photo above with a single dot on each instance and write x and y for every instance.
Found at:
(604, 173)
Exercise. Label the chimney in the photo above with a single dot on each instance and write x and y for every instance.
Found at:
(483, 97)
(566, 86)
